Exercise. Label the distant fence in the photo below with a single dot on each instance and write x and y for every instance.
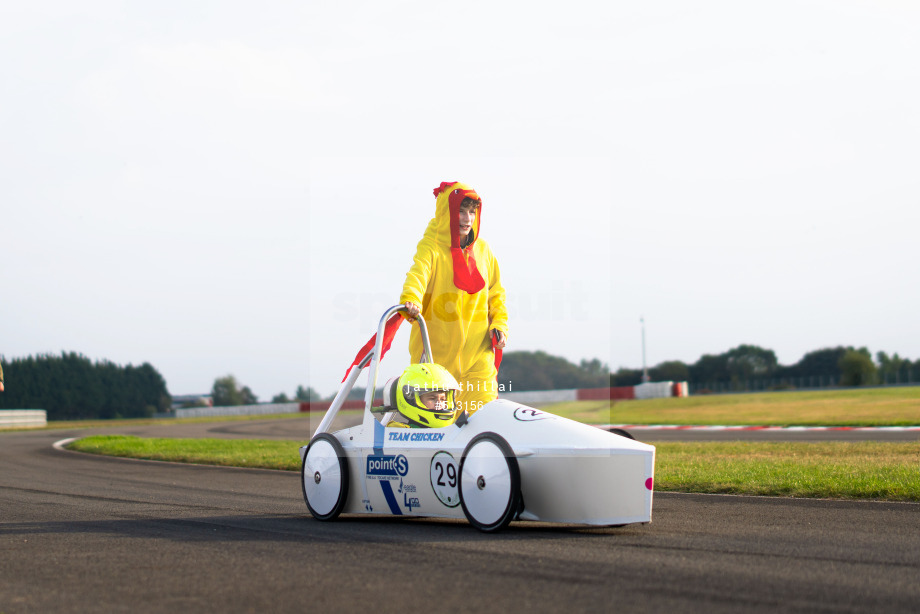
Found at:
(324, 405)
(533, 397)
(264, 409)
(23, 418)
(648, 390)
(540, 397)
(239, 410)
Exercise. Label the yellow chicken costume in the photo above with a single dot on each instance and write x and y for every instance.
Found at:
(461, 297)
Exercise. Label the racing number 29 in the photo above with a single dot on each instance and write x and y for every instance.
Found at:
(445, 478)
(451, 472)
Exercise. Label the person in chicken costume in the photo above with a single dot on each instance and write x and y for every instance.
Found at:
(454, 282)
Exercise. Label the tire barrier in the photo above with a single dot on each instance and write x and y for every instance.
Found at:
(23, 418)
(533, 398)
(650, 390)
(239, 410)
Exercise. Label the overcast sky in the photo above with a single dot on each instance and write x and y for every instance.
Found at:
(231, 187)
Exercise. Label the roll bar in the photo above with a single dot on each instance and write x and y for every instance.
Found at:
(372, 359)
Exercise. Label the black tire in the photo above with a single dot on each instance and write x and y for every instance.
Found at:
(328, 502)
(622, 433)
(503, 500)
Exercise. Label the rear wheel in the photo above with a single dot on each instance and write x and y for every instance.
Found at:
(490, 483)
(324, 477)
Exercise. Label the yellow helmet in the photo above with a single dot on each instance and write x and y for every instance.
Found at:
(422, 378)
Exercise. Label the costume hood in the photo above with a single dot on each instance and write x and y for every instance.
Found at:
(443, 229)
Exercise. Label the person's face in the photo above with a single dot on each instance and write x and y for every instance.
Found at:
(467, 218)
(434, 400)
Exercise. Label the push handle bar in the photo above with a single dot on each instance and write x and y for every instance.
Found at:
(372, 358)
(378, 349)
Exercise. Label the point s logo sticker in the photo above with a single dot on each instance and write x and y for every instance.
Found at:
(387, 466)
(529, 414)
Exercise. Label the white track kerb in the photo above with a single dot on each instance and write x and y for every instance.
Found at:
(506, 462)
(768, 428)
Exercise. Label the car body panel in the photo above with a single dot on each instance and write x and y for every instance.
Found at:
(570, 472)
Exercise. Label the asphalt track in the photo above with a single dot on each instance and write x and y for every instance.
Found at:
(80, 533)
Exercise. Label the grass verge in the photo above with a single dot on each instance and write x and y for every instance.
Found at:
(258, 453)
(76, 424)
(838, 470)
(847, 407)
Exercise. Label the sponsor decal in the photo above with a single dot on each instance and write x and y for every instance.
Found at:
(529, 414)
(405, 487)
(410, 502)
(387, 467)
(424, 436)
(404, 490)
(386, 486)
(444, 478)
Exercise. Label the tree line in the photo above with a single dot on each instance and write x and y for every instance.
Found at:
(519, 371)
(746, 366)
(538, 370)
(522, 371)
(72, 387)
(227, 391)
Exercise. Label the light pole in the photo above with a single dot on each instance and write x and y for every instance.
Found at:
(645, 377)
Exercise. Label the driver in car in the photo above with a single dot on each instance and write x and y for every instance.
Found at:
(425, 397)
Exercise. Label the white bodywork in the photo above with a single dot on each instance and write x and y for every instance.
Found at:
(569, 472)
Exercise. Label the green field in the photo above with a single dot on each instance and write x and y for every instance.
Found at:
(849, 470)
(76, 424)
(846, 407)
(257, 453)
(844, 470)
(839, 470)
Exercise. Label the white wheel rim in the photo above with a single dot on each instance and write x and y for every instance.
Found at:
(486, 482)
(322, 477)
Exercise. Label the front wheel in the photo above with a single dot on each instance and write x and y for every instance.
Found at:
(324, 477)
(490, 483)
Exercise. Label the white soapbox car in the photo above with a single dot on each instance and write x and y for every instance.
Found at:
(506, 462)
